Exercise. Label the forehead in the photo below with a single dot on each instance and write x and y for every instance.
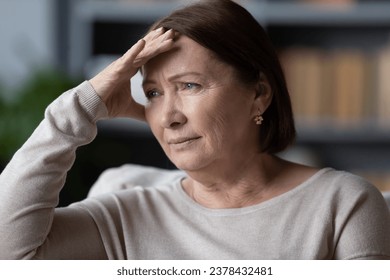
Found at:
(186, 55)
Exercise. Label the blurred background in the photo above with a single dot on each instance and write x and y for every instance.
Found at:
(336, 56)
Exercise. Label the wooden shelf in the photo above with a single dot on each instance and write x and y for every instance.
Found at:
(367, 134)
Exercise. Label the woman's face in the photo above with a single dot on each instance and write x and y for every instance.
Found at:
(197, 109)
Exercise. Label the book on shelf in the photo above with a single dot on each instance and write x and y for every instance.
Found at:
(349, 80)
(304, 73)
(383, 89)
(342, 88)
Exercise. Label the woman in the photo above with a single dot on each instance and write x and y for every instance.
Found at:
(219, 107)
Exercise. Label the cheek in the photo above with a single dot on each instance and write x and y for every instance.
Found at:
(151, 115)
(228, 121)
(215, 125)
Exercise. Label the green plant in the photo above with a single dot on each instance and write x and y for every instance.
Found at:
(19, 117)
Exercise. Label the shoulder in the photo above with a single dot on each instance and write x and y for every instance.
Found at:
(361, 217)
(343, 183)
(349, 195)
(325, 182)
(342, 192)
(354, 185)
(131, 175)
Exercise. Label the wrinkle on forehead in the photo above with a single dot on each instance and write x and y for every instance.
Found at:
(186, 56)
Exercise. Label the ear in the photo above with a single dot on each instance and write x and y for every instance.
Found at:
(263, 96)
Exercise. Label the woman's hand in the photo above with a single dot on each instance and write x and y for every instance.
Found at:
(113, 83)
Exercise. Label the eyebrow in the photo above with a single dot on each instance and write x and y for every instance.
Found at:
(172, 78)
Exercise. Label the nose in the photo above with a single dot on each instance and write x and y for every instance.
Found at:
(172, 115)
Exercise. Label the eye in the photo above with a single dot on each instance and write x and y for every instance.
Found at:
(191, 86)
(151, 94)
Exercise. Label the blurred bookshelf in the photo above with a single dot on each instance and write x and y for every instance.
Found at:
(336, 57)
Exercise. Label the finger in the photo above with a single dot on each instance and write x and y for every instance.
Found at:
(128, 58)
(154, 47)
(154, 34)
(154, 42)
(145, 57)
(170, 34)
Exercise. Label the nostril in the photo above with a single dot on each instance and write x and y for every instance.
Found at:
(174, 124)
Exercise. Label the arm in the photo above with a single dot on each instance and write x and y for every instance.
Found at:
(30, 225)
(30, 184)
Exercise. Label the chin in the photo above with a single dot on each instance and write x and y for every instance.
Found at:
(188, 164)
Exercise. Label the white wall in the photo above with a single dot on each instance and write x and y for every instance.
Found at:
(26, 39)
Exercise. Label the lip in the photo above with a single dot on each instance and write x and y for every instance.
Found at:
(182, 140)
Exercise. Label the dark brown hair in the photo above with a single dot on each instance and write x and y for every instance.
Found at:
(236, 38)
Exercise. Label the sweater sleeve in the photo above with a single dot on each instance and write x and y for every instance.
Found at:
(30, 224)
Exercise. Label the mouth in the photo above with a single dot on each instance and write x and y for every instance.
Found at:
(182, 140)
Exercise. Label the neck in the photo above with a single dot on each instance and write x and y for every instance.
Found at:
(237, 185)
